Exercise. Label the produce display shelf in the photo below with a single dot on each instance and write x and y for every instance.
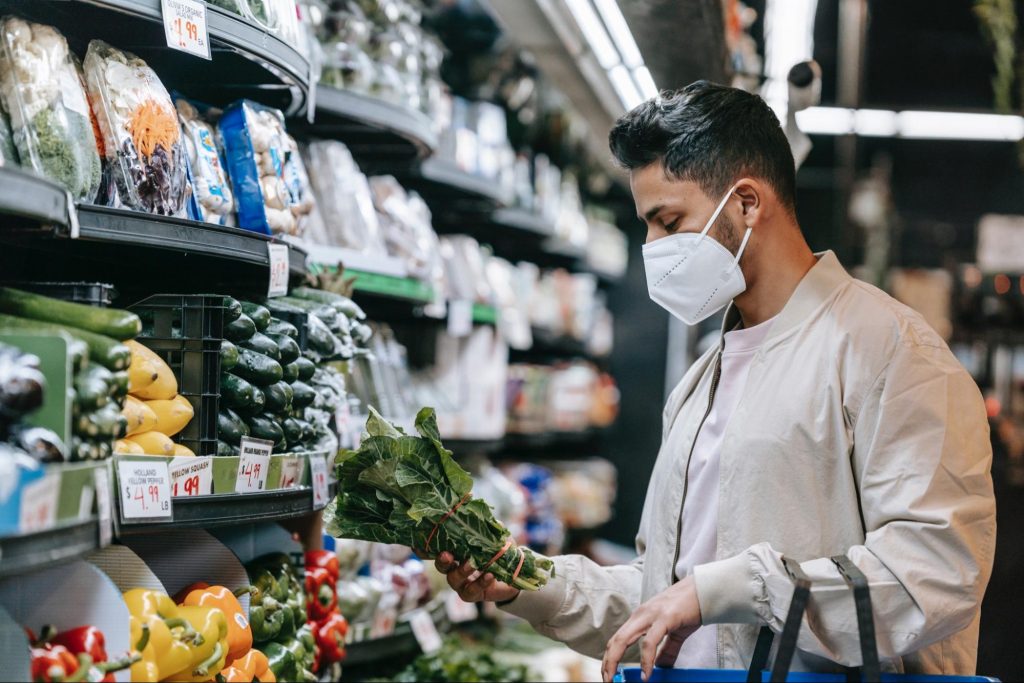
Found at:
(401, 645)
(523, 221)
(404, 288)
(28, 196)
(378, 133)
(484, 314)
(547, 345)
(64, 542)
(441, 183)
(246, 60)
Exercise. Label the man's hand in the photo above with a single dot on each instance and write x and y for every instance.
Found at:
(674, 613)
(471, 585)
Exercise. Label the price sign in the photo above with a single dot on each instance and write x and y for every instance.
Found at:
(425, 631)
(459, 611)
(101, 479)
(278, 269)
(145, 489)
(460, 318)
(253, 465)
(291, 472)
(191, 476)
(318, 473)
(39, 499)
(185, 26)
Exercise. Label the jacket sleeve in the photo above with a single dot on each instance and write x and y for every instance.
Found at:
(922, 461)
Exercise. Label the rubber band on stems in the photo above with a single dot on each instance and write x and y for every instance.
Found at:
(497, 556)
(444, 519)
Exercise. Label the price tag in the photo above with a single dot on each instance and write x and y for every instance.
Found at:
(39, 499)
(425, 631)
(185, 26)
(191, 476)
(291, 472)
(253, 465)
(318, 473)
(145, 489)
(278, 269)
(460, 318)
(459, 611)
(101, 479)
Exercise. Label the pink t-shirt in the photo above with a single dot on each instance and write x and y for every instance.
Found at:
(698, 539)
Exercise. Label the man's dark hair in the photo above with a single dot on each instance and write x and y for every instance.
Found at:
(709, 134)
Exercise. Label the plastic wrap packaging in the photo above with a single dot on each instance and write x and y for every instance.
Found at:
(41, 91)
(210, 185)
(257, 150)
(8, 155)
(408, 229)
(140, 131)
(300, 190)
(344, 199)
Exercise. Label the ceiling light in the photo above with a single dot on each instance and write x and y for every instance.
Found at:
(592, 29)
(960, 126)
(875, 122)
(825, 120)
(645, 82)
(619, 29)
(624, 86)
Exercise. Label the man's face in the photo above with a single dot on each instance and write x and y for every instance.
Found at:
(668, 206)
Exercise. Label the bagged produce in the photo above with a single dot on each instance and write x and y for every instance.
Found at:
(299, 188)
(210, 184)
(140, 131)
(344, 199)
(8, 155)
(41, 91)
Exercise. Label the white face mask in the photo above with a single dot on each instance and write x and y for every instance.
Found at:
(691, 275)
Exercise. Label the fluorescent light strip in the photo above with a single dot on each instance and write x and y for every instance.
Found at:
(925, 125)
(645, 82)
(593, 31)
(624, 86)
(619, 30)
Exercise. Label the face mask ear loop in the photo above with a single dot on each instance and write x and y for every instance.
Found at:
(743, 245)
(718, 211)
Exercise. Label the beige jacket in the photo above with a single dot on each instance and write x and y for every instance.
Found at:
(857, 432)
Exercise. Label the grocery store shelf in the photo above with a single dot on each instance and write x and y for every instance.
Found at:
(523, 221)
(400, 645)
(559, 444)
(485, 315)
(247, 61)
(464, 447)
(401, 288)
(31, 197)
(378, 133)
(21, 554)
(442, 183)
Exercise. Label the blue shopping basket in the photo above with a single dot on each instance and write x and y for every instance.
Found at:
(869, 671)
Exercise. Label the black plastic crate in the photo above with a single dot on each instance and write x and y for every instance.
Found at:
(186, 331)
(92, 293)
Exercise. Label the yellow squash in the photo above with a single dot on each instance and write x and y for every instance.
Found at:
(141, 417)
(154, 443)
(126, 447)
(165, 386)
(182, 450)
(141, 373)
(172, 415)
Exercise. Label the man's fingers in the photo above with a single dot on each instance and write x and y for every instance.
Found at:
(461, 575)
(669, 652)
(623, 638)
(649, 647)
(445, 563)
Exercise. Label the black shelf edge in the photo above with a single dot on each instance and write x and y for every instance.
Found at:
(523, 220)
(26, 195)
(401, 644)
(442, 182)
(63, 543)
(464, 447)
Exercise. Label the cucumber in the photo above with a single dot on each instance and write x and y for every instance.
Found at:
(259, 402)
(226, 449)
(228, 355)
(265, 427)
(292, 430)
(320, 339)
(92, 388)
(241, 329)
(110, 322)
(327, 315)
(105, 422)
(302, 395)
(306, 368)
(278, 326)
(84, 449)
(287, 347)
(119, 384)
(257, 368)
(260, 315)
(230, 427)
(289, 373)
(236, 392)
(232, 309)
(261, 343)
(108, 352)
(279, 397)
(340, 303)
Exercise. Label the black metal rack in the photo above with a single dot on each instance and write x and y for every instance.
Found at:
(60, 544)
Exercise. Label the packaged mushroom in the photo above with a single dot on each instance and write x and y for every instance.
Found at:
(258, 150)
(210, 185)
(41, 90)
(139, 126)
(299, 189)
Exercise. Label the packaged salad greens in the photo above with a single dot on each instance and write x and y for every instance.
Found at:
(210, 185)
(41, 90)
(140, 131)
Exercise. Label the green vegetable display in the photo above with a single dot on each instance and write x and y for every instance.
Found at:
(457, 663)
(408, 490)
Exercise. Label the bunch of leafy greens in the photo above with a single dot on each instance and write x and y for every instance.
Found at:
(456, 662)
(408, 490)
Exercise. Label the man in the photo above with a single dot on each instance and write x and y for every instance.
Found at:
(830, 420)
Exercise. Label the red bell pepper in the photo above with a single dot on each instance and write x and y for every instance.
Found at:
(321, 593)
(89, 640)
(330, 636)
(77, 654)
(326, 559)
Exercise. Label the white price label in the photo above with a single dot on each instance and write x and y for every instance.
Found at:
(291, 472)
(318, 473)
(253, 465)
(278, 269)
(39, 500)
(145, 488)
(101, 478)
(185, 26)
(460, 318)
(425, 630)
(459, 611)
(191, 476)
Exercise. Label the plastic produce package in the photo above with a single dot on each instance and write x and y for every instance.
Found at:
(210, 183)
(300, 190)
(8, 155)
(257, 149)
(343, 196)
(41, 90)
(141, 135)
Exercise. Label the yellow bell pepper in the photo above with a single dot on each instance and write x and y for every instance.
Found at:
(145, 670)
(171, 638)
(207, 657)
(239, 633)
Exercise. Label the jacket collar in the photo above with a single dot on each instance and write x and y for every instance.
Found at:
(816, 286)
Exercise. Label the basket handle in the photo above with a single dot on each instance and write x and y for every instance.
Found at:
(870, 672)
(790, 630)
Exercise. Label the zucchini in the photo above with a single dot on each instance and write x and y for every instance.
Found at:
(258, 403)
(232, 309)
(236, 392)
(278, 326)
(119, 384)
(240, 329)
(226, 449)
(84, 449)
(287, 347)
(108, 352)
(260, 315)
(292, 430)
(111, 322)
(289, 373)
(106, 422)
(261, 343)
(79, 352)
(279, 397)
(265, 427)
(302, 395)
(257, 368)
(92, 388)
(228, 355)
(230, 427)
(306, 368)
(340, 303)
(320, 339)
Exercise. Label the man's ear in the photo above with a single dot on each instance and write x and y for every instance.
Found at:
(751, 194)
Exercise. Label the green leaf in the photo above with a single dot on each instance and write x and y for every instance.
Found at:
(376, 425)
